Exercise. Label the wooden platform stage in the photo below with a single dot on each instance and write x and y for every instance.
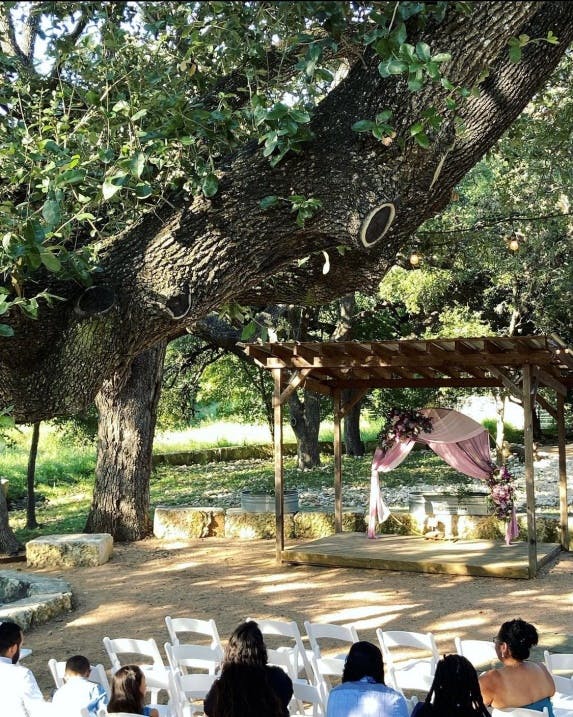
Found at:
(414, 554)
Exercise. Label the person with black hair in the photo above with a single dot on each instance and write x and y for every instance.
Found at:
(362, 692)
(519, 683)
(20, 694)
(247, 685)
(455, 691)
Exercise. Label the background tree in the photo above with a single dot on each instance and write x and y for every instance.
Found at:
(184, 175)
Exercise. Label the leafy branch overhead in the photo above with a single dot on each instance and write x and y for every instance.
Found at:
(160, 160)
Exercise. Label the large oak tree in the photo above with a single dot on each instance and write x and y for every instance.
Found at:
(202, 151)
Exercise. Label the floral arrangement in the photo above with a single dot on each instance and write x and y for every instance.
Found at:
(402, 424)
(502, 491)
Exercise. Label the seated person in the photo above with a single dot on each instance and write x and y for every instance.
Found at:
(128, 688)
(454, 692)
(244, 690)
(20, 694)
(246, 646)
(362, 691)
(519, 683)
(78, 692)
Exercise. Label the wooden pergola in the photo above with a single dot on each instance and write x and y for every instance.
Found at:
(522, 365)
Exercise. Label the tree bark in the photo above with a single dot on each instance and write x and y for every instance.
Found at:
(127, 415)
(176, 265)
(344, 332)
(305, 422)
(31, 521)
(9, 544)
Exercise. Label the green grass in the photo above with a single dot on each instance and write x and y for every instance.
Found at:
(64, 474)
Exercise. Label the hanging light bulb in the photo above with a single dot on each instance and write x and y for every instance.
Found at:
(414, 259)
(514, 244)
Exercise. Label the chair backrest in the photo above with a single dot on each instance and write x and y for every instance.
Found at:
(305, 694)
(294, 648)
(191, 658)
(481, 653)
(563, 685)
(408, 672)
(330, 665)
(180, 629)
(518, 712)
(132, 651)
(97, 674)
(185, 689)
(559, 662)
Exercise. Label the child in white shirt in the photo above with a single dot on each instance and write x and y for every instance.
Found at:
(78, 692)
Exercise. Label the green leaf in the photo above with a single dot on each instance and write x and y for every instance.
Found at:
(112, 185)
(121, 106)
(415, 84)
(210, 185)
(268, 201)
(6, 330)
(50, 261)
(397, 67)
(442, 57)
(422, 139)
(299, 116)
(363, 126)
(138, 115)
(416, 128)
(551, 38)
(137, 164)
(515, 54)
(143, 190)
(51, 212)
(279, 110)
(249, 330)
(423, 51)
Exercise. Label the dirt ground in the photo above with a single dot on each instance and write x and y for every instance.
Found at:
(230, 580)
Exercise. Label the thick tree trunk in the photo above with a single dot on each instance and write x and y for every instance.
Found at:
(305, 422)
(344, 332)
(352, 439)
(127, 416)
(31, 521)
(9, 544)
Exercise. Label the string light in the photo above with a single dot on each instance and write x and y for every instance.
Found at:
(414, 259)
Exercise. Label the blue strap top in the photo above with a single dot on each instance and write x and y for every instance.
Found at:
(540, 705)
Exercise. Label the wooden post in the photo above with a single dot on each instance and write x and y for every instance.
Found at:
(529, 477)
(564, 516)
(279, 488)
(337, 463)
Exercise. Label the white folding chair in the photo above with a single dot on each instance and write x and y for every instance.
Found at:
(294, 649)
(191, 658)
(329, 666)
(563, 685)
(155, 671)
(180, 628)
(97, 674)
(408, 673)
(307, 700)
(185, 690)
(559, 662)
(481, 653)
(518, 712)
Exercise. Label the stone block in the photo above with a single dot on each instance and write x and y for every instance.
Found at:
(319, 524)
(182, 522)
(244, 525)
(29, 599)
(69, 551)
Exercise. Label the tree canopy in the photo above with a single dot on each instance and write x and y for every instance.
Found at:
(161, 160)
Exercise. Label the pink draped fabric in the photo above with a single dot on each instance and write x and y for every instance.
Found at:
(459, 440)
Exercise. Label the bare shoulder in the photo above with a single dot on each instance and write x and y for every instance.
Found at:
(489, 684)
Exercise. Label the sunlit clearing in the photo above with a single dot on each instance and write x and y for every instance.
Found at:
(352, 614)
(270, 589)
(179, 566)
